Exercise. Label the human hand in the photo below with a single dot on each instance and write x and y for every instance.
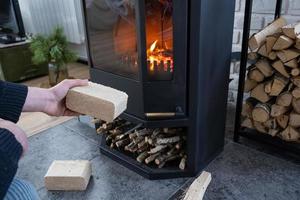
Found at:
(51, 101)
(57, 104)
(19, 134)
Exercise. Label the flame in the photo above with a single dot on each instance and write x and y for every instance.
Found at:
(153, 46)
(156, 57)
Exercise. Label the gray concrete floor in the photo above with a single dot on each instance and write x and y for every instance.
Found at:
(241, 171)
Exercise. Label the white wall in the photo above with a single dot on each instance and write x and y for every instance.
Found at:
(41, 16)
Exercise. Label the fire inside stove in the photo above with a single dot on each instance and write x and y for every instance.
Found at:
(159, 39)
(159, 58)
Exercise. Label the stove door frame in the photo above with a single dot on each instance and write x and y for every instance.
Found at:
(166, 99)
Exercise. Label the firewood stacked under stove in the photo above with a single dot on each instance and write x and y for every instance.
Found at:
(156, 147)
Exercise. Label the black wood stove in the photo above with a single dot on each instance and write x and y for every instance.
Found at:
(172, 57)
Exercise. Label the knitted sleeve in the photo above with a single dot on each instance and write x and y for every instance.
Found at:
(10, 153)
(12, 99)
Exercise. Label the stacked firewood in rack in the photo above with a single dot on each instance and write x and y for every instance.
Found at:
(273, 81)
(156, 147)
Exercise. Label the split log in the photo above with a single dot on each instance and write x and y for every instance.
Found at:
(261, 112)
(247, 123)
(297, 44)
(282, 121)
(264, 67)
(272, 55)
(249, 85)
(284, 99)
(296, 92)
(197, 189)
(278, 65)
(263, 51)
(273, 132)
(141, 158)
(168, 140)
(290, 134)
(182, 162)
(122, 143)
(157, 149)
(277, 110)
(294, 120)
(292, 63)
(259, 93)
(248, 106)
(259, 38)
(271, 124)
(283, 42)
(291, 30)
(270, 41)
(279, 83)
(295, 72)
(268, 86)
(288, 54)
(296, 81)
(253, 56)
(296, 105)
(260, 127)
(151, 158)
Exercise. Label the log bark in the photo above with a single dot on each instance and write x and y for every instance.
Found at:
(169, 140)
(291, 30)
(259, 38)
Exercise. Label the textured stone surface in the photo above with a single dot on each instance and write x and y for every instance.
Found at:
(239, 172)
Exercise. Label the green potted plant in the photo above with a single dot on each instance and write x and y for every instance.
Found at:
(53, 49)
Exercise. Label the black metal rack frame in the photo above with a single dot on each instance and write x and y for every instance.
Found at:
(244, 132)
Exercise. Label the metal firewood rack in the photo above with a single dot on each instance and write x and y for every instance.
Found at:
(244, 132)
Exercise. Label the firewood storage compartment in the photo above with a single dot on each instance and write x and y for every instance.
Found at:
(172, 58)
